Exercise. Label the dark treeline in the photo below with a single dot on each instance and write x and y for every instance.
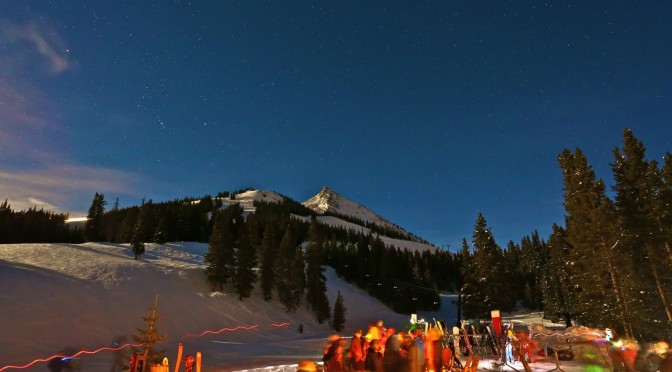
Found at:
(610, 265)
(35, 226)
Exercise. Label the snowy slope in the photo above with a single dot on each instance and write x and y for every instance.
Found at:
(56, 297)
(247, 198)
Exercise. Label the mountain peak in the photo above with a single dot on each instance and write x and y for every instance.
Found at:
(329, 201)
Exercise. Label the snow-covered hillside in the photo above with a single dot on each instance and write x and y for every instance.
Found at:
(247, 198)
(65, 297)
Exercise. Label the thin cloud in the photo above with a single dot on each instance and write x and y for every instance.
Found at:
(58, 187)
(32, 38)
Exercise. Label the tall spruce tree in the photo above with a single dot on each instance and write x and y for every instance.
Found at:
(93, 229)
(592, 232)
(637, 186)
(488, 270)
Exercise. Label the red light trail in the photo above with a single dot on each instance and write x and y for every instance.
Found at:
(41, 360)
(68, 356)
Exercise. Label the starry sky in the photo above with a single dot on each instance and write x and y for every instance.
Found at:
(425, 112)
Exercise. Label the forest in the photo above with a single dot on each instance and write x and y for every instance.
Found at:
(608, 264)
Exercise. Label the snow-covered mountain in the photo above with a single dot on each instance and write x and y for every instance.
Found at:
(328, 200)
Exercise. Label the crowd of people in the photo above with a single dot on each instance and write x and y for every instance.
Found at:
(383, 349)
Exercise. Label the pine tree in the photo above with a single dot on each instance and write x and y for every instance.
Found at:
(140, 232)
(532, 251)
(469, 299)
(664, 211)
(221, 257)
(247, 259)
(159, 235)
(638, 183)
(289, 271)
(338, 320)
(316, 281)
(592, 232)
(557, 288)
(488, 271)
(5, 222)
(137, 247)
(93, 229)
(150, 336)
(268, 255)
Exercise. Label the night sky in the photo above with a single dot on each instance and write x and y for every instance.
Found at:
(425, 112)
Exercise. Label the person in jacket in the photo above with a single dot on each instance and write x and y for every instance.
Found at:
(374, 357)
(357, 351)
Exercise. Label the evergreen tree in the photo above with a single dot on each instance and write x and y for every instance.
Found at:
(592, 232)
(316, 281)
(638, 183)
(221, 257)
(160, 236)
(150, 336)
(469, 300)
(664, 211)
(5, 222)
(533, 251)
(268, 256)
(338, 320)
(247, 259)
(289, 271)
(488, 271)
(93, 229)
(140, 233)
(137, 247)
(557, 288)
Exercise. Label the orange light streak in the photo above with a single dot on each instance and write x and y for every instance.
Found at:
(221, 330)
